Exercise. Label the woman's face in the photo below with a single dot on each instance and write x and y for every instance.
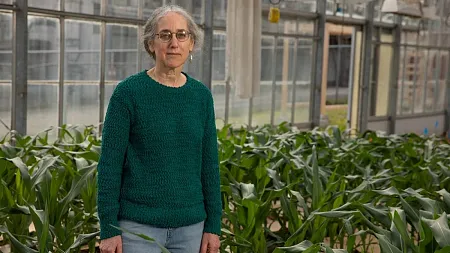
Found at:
(173, 43)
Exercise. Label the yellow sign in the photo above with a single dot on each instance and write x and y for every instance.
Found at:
(274, 14)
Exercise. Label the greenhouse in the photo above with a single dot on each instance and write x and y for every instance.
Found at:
(332, 120)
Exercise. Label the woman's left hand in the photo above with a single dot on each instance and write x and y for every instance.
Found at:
(210, 243)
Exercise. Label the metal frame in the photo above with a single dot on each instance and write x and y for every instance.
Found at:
(367, 58)
(393, 94)
(19, 82)
(20, 39)
(447, 98)
(317, 63)
(208, 48)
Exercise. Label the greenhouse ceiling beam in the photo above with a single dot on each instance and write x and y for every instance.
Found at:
(19, 68)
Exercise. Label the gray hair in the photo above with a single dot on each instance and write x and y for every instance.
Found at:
(152, 23)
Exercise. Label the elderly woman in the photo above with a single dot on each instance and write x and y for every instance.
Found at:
(158, 172)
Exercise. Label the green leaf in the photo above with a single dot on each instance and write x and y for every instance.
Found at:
(399, 220)
(43, 166)
(391, 191)
(440, 229)
(446, 196)
(23, 171)
(16, 243)
(81, 240)
(317, 184)
(41, 223)
(301, 247)
(443, 250)
(385, 245)
(336, 214)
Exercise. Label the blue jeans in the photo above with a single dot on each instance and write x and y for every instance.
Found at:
(177, 240)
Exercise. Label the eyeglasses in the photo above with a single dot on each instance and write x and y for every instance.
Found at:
(166, 35)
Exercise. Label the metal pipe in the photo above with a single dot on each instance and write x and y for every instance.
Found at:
(274, 80)
(208, 42)
(294, 82)
(403, 80)
(19, 78)
(102, 67)
(425, 84)
(393, 82)
(338, 71)
(316, 78)
(415, 74)
(61, 114)
(364, 98)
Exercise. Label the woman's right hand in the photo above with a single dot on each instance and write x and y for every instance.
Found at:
(111, 245)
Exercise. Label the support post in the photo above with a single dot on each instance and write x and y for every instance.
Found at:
(316, 78)
(208, 43)
(447, 98)
(393, 94)
(19, 68)
(367, 53)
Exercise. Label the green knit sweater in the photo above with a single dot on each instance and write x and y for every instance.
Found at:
(159, 159)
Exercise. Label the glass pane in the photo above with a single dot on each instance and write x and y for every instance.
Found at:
(419, 79)
(284, 78)
(303, 81)
(5, 107)
(121, 55)
(409, 38)
(299, 5)
(442, 76)
(406, 85)
(220, 13)
(194, 7)
(5, 71)
(149, 6)
(262, 104)
(238, 110)
(146, 61)
(338, 69)
(5, 1)
(83, 6)
(6, 46)
(45, 4)
(81, 72)
(218, 74)
(381, 76)
(219, 58)
(43, 48)
(438, 72)
(358, 11)
(302, 27)
(194, 68)
(122, 8)
(43, 72)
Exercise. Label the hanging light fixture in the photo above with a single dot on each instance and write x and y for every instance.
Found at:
(412, 8)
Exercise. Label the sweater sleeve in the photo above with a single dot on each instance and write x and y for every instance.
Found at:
(210, 173)
(115, 136)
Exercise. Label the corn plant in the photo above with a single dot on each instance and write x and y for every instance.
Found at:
(283, 190)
